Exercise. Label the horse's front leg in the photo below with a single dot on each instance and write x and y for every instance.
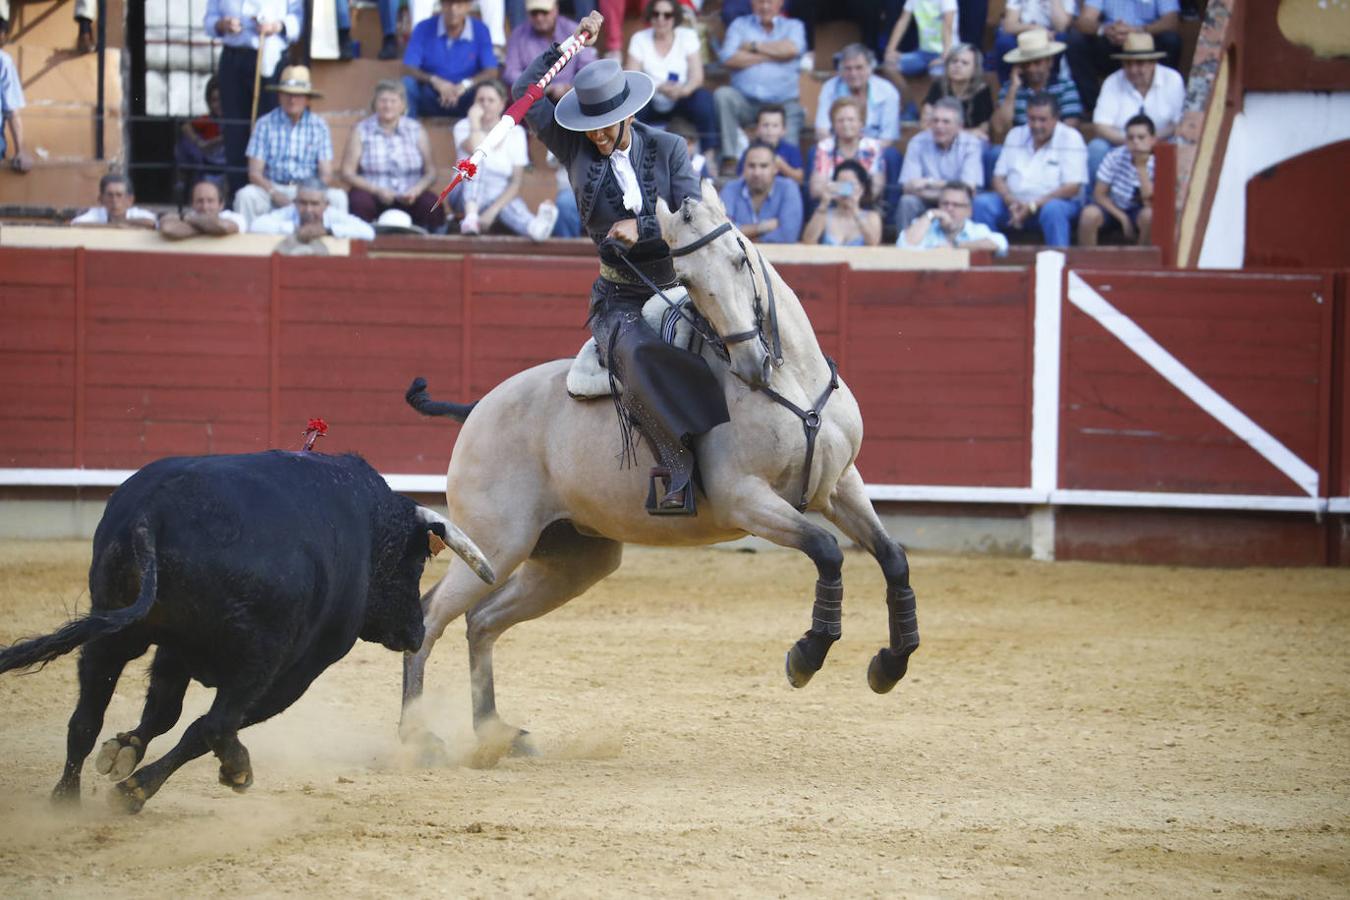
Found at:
(852, 512)
(765, 514)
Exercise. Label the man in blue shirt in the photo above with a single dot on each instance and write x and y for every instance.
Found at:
(447, 56)
(763, 51)
(765, 206)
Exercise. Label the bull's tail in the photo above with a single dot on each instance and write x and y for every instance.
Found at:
(420, 400)
(77, 632)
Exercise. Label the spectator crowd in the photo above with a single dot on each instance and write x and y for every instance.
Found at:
(918, 132)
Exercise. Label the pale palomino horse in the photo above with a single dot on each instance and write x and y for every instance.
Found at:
(535, 476)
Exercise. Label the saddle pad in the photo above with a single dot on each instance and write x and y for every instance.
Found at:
(589, 380)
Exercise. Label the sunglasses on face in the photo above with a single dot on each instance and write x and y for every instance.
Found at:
(663, 14)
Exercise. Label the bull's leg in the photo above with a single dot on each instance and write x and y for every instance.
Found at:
(169, 679)
(764, 514)
(852, 512)
(563, 565)
(130, 794)
(101, 664)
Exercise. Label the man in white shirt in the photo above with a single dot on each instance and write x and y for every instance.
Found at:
(1039, 178)
(310, 218)
(208, 216)
(1139, 86)
(116, 206)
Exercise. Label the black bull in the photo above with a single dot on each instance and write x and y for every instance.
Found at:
(252, 574)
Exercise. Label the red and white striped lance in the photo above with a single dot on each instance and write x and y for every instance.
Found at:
(466, 169)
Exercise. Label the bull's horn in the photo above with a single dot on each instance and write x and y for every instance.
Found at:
(459, 542)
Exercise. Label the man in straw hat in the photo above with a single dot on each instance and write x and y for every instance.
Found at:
(619, 169)
(1035, 68)
(1103, 26)
(1140, 86)
(289, 145)
(246, 28)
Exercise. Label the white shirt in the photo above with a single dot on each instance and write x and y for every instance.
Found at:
(496, 171)
(674, 66)
(1120, 100)
(628, 180)
(1032, 173)
(99, 216)
(1037, 12)
(339, 224)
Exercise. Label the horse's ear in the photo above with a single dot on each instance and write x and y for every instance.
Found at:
(663, 215)
(711, 197)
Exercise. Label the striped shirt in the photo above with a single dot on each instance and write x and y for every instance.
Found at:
(390, 161)
(290, 152)
(1062, 89)
(1118, 172)
(1133, 12)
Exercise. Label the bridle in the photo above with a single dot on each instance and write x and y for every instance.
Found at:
(772, 344)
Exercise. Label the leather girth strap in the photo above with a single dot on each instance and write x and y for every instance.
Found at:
(810, 424)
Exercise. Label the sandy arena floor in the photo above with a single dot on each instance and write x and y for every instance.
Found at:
(1065, 729)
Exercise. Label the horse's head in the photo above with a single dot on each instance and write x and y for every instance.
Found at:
(712, 260)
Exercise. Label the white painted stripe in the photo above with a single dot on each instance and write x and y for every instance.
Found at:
(1165, 500)
(1045, 373)
(1186, 381)
(1339, 505)
(935, 493)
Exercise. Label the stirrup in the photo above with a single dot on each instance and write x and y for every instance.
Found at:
(654, 507)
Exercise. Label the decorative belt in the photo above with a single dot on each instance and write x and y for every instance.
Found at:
(661, 271)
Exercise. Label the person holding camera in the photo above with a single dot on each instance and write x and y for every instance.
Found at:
(845, 218)
(950, 225)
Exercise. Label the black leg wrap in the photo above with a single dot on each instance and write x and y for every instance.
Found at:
(808, 654)
(891, 663)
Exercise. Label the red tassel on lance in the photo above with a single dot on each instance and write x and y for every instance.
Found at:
(316, 429)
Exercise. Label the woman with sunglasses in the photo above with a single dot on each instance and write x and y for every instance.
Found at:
(673, 56)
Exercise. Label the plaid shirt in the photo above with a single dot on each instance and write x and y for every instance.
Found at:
(869, 156)
(291, 153)
(390, 161)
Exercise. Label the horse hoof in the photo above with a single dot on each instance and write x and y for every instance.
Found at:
(127, 797)
(885, 671)
(799, 670)
(118, 756)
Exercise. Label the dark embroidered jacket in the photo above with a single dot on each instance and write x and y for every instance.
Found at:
(659, 159)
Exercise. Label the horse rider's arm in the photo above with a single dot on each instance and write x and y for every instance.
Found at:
(562, 142)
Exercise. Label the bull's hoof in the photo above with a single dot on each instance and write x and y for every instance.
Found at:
(498, 740)
(886, 669)
(119, 756)
(237, 781)
(429, 751)
(799, 671)
(127, 797)
(66, 793)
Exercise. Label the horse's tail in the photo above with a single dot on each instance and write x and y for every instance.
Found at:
(77, 632)
(420, 400)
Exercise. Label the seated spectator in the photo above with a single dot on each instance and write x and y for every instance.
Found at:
(762, 51)
(1124, 188)
(703, 166)
(208, 216)
(201, 148)
(85, 11)
(950, 225)
(941, 154)
(963, 80)
(1055, 16)
(1103, 27)
(879, 98)
(770, 126)
(937, 23)
(673, 57)
(1034, 70)
(117, 206)
(289, 145)
(847, 143)
(524, 45)
(1038, 182)
(1139, 86)
(846, 218)
(311, 217)
(448, 55)
(764, 205)
(389, 10)
(495, 192)
(11, 101)
(388, 162)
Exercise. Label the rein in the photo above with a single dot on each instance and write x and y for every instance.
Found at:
(810, 418)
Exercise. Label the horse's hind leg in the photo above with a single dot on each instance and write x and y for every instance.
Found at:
(169, 677)
(852, 512)
(101, 664)
(769, 516)
(563, 565)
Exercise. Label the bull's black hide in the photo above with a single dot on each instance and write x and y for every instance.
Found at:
(252, 574)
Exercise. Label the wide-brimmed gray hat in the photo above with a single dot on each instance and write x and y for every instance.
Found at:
(603, 94)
